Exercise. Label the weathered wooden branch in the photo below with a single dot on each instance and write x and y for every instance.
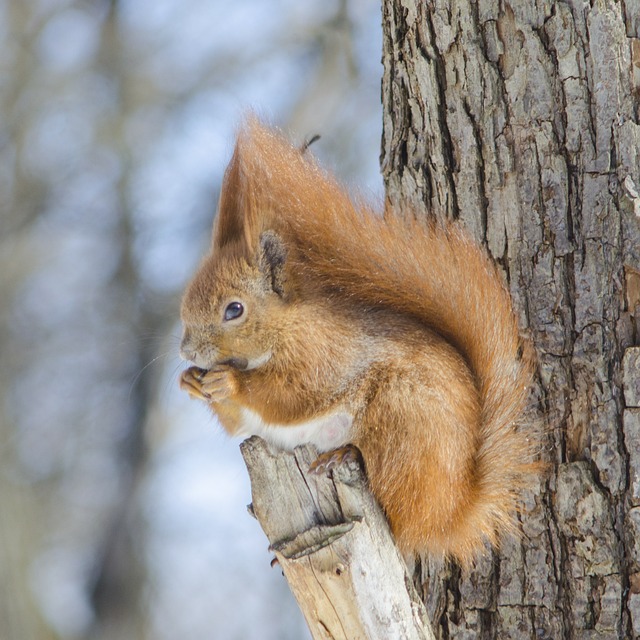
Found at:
(334, 546)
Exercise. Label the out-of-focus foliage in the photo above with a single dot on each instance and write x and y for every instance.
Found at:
(122, 506)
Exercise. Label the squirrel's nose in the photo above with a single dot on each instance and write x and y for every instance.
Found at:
(187, 355)
(187, 352)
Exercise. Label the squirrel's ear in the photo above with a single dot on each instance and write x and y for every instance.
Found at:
(230, 223)
(272, 258)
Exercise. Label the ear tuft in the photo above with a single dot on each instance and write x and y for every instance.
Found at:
(273, 255)
(229, 224)
(307, 143)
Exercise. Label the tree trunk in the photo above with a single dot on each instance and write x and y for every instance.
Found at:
(521, 119)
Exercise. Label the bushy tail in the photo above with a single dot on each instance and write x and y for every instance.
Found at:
(432, 272)
(439, 276)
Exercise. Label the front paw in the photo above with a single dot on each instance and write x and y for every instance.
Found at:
(213, 385)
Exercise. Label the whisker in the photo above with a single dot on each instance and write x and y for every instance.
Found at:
(138, 375)
(173, 378)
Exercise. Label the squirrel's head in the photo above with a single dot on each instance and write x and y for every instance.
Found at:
(229, 310)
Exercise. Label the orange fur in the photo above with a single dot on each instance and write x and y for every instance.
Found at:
(403, 327)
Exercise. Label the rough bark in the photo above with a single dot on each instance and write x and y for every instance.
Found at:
(334, 546)
(521, 119)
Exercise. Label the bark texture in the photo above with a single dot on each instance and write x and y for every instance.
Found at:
(521, 119)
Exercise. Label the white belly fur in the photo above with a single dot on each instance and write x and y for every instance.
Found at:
(327, 432)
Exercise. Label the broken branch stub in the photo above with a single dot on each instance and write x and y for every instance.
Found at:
(334, 546)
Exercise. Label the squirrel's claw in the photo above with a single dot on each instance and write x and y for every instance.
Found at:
(191, 382)
(330, 459)
(218, 384)
(211, 386)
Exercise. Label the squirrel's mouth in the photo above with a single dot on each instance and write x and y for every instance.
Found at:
(237, 363)
(241, 363)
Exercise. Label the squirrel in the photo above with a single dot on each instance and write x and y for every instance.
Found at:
(315, 319)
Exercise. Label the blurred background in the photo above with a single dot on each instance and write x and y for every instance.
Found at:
(122, 503)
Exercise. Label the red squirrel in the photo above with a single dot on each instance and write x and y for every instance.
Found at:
(314, 319)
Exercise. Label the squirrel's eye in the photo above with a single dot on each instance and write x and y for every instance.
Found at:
(234, 310)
